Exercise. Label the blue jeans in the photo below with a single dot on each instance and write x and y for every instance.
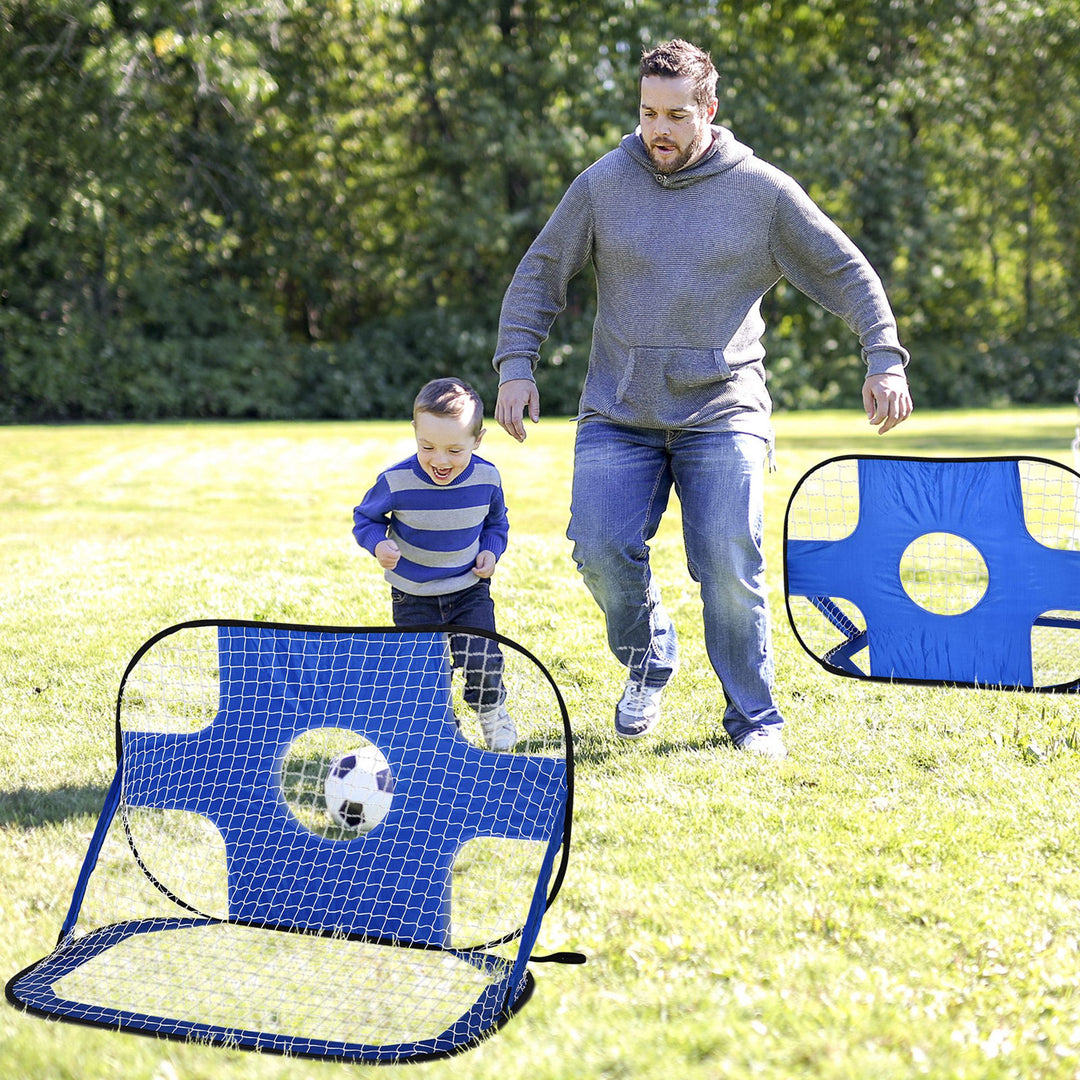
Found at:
(622, 479)
(479, 657)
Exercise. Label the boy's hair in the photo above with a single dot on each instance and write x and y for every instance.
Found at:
(450, 397)
(677, 58)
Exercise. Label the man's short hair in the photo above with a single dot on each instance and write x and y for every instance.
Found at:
(450, 397)
(677, 59)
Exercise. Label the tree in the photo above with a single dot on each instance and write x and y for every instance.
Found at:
(285, 207)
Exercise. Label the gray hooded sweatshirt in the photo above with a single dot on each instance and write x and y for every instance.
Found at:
(682, 262)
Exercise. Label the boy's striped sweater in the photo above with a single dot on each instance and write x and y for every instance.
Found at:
(440, 529)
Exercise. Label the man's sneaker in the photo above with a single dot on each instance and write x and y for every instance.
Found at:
(765, 742)
(638, 709)
(498, 728)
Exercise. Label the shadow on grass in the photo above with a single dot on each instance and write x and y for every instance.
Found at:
(30, 808)
(595, 749)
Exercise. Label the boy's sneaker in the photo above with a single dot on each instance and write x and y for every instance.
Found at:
(765, 742)
(498, 728)
(638, 709)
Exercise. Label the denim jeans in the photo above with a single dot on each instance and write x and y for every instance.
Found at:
(622, 479)
(479, 657)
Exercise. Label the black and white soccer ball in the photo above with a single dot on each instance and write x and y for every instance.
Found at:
(359, 789)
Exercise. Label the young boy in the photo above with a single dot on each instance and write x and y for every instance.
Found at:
(436, 523)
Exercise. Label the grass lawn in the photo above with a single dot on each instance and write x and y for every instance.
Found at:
(901, 897)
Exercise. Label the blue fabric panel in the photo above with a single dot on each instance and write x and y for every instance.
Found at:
(393, 883)
(980, 501)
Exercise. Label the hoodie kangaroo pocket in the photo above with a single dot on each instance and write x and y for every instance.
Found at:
(670, 371)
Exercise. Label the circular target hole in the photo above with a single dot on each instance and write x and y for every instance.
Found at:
(944, 573)
(337, 783)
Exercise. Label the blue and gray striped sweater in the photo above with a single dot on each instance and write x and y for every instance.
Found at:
(440, 529)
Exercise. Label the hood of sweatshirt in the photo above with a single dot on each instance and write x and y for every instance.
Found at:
(723, 153)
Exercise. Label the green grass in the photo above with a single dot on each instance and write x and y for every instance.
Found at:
(899, 898)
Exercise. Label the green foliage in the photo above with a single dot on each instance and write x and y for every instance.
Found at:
(378, 373)
(224, 209)
(1028, 371)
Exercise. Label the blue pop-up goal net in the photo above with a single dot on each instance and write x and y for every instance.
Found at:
(951, 571)
(310, 848)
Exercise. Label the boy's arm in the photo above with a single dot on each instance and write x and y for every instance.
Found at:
(493, 535)
(495, 531)
(371, 519)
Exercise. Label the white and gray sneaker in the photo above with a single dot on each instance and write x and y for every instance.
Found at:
(500, 732)
(764, 742)
(638, 709)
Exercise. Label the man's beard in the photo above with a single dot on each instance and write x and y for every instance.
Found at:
(682, 160)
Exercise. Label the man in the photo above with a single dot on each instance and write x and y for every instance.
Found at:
(687, 230)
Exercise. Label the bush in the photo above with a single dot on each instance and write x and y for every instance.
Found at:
(231, 370)
(377, 373)
(973, 374)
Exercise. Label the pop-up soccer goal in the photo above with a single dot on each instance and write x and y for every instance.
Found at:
(954, 571)
(307, 847)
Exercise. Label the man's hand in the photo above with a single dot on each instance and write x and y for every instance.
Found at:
(485, 564)
(517, 397)
(387, 553)
(887, 401)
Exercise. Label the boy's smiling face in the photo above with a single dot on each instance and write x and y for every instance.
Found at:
(445, 444)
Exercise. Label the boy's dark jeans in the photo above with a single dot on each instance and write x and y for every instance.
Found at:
(479, 657)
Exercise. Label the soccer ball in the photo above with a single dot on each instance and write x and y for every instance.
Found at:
(359, 788)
